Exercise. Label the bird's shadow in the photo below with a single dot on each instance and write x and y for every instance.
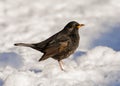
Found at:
(35, 70)
(11, 59)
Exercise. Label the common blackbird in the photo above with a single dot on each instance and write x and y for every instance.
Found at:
(59, 46)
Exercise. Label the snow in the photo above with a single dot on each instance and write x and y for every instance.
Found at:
(19, 79)
(95, 63)
(98, 67)
(11, 59)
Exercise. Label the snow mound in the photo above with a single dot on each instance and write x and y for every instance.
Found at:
(98, 67)
(19, 79)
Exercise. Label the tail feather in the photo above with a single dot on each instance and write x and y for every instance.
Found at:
(34, 46)
(23, 44)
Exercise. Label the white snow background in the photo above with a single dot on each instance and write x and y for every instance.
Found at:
(95, 63)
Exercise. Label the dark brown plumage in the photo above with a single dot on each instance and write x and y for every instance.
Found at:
(59, 46)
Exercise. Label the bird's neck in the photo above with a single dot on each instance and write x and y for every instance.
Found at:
(75, 34)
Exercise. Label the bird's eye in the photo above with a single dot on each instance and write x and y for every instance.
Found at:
(77, 25)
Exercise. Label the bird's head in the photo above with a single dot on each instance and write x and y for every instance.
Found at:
(73, 25)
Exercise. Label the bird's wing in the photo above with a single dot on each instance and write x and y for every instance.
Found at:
(41, 45)
(58, 43)
(56, 46)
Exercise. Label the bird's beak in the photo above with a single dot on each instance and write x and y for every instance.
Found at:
(80, 25)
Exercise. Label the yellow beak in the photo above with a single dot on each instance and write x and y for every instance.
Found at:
(80, 25)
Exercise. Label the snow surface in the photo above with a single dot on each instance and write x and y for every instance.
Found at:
(95, 63)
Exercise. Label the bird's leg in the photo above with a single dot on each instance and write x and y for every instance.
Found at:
(60, 64)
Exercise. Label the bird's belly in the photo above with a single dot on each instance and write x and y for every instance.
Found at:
(67, 52)
(63, 55)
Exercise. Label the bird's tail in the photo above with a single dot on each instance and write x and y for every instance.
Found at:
(24, 44)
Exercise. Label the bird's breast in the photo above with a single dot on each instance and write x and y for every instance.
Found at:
(74, 41)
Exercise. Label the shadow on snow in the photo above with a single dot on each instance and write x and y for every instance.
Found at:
(10, 59)
(110, 39)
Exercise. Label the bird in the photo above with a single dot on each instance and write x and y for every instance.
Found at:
(59, 46)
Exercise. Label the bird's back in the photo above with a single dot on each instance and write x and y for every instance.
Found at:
(42, 46)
